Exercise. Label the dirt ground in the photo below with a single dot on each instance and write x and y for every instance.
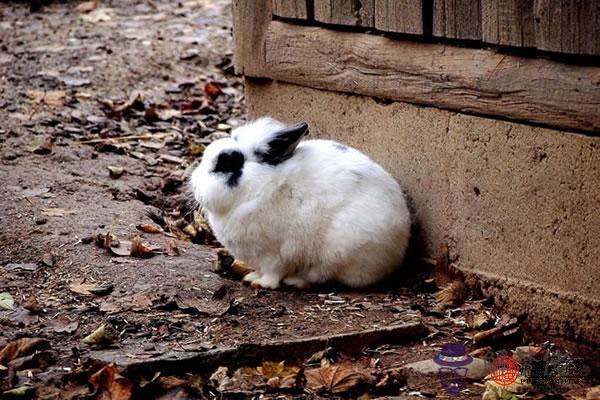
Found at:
(104, 110)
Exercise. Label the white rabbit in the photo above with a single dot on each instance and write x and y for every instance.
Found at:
(301, 212)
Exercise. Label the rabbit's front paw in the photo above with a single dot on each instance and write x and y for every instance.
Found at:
(251, 277)
(266, 282)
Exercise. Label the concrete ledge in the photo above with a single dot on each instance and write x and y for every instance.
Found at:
(518, 205)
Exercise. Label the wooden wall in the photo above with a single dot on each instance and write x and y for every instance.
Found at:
(564, 26)
(542, 90)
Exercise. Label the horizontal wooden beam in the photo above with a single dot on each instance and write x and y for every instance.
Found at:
(469, 80)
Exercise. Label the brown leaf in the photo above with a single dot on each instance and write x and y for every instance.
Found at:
(110, 385)
(149, 228)
(271, 369)
(335, 379)
(212, 90)
(41, 148)
(82, 288)
(33, 306)
(48, 259)
(123, 249)
(105, 240)
(39, 359)
(138, 302)
(86, 6)
(134, 103)
(170, 382)
(286, 382)
(195, 149)
(218, 305)
(63, 325)
(171, 248)
(453, 294)
(21, 347)
(490, 334)
(22, 316)
(141, 250)
(52, 97)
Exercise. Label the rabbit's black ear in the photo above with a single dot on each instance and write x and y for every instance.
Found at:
(281, 144)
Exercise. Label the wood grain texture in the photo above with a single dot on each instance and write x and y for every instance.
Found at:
(345, 12)
(297, 9)
(508, 22)
(457, 19)
(568, 26)
(250, 21)
(468, 80)
(404, 16)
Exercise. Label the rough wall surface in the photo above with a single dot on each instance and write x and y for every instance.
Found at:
(518, 205)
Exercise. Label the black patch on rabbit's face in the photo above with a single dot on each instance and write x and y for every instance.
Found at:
(230, 162)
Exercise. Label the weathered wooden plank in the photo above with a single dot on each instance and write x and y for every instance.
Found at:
(469, 80)
(457, 19)
(250, 21)
(404, 16)
(568, 26)
(345, 12)
(508, 22)
(297, 9)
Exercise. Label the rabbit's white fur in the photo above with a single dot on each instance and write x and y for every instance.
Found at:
(328, 213)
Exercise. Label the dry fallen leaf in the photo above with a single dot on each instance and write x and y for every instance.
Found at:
(226, 264)
(63, 325)
(123, 249)
(48, 259)
(115, 171)
(171, 248)
(42, 147)
(212, 90)
(106, 240)
(149, 228)
(223, 261)
(335, 379)
(51, 97)
(141, 250)
(218, 305)
(110, 385)
(21, 392)
(453, 294)
(21, 347)
(7, 302)
(169, 382)
(86, 6)
(515, 391)
(100, 336)
(82, 288)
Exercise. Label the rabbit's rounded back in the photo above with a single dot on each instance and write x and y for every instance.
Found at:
(303, 212)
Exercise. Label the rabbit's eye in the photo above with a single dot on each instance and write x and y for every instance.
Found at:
(229, 161)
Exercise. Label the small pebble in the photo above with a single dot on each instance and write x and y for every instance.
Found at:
(40, 220)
